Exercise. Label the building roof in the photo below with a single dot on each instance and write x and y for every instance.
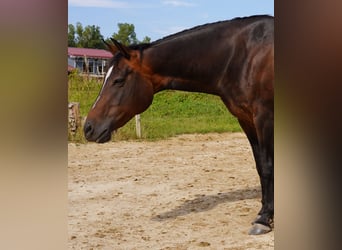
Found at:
(94, 53)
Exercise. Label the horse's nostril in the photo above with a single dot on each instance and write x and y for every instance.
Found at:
(88, 129)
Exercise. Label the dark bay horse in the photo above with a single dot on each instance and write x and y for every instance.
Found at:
(232, 59)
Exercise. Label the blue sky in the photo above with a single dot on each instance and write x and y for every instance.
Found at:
(159, 18)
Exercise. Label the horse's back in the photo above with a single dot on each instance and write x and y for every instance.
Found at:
(248, 82)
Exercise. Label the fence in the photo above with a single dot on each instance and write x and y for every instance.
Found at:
(74, 121)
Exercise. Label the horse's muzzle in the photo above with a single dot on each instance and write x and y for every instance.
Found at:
(98, 134)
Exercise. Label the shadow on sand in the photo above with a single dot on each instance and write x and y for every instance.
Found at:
(207, 202)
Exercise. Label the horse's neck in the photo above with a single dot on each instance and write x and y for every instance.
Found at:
(181, 69)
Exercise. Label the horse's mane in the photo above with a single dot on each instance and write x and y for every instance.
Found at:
(143, 46)
(140, 46)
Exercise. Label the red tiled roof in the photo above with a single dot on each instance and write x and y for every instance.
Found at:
(94, 53)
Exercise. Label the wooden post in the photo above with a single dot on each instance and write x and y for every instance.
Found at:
(73, 117)
(87, 66)
(137, 125)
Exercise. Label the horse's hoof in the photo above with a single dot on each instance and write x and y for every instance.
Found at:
(258, 229)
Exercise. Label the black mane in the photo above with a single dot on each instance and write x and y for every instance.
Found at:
(140, 46)
(203, 26)
(144, 46)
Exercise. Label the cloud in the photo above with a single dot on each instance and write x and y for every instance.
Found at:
(177, 3)
(99, 4)
(125, 4)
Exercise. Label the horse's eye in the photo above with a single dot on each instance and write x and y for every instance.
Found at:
(119, 81)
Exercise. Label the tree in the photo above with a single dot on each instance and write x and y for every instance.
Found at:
(88, 37)
(146, 40)
(79, 33)
(127, 36)
(71, 36)
(92, 37)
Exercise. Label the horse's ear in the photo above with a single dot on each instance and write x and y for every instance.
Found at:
(113, 49)
(122, 48)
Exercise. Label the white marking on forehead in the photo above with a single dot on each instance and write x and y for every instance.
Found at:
(104, 84)
(108, 74)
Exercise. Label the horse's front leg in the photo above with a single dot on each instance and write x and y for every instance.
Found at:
(263, 222)
(264, 157)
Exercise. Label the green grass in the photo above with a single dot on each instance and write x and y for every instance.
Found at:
(171, 113)
(84, 91)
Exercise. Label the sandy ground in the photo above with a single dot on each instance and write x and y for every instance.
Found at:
(188, 192)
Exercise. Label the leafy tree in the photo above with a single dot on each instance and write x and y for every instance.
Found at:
(87, 37)
(146, 40)
(71, 35)
(127, 36)
(79, 33)
(90, 36)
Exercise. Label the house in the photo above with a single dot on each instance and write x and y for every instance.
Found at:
(88, 61)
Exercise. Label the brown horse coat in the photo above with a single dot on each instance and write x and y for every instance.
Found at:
(232, 59)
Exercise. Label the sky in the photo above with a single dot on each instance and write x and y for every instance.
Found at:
(159, 18)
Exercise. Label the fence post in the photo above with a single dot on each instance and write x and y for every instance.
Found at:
(73, 117)
(137, 125)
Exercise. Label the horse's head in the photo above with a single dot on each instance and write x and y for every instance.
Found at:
(126, 91)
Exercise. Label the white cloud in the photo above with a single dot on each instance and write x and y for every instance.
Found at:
(178, 3)
(125, 4)
(98, 3)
